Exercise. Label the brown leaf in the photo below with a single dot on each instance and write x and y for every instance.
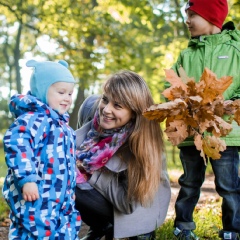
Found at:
(212, 146)
(214, 87)
(178, 92)
(221, 127)
(163, 110)
(198, 142)
(236, 105)
(183, 75)
(176, 82)
(195, 108)
(237, 116)
(177, 131)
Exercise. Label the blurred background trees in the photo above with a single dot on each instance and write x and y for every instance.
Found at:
(96, 38)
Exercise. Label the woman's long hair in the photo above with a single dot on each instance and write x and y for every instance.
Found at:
(146, 140)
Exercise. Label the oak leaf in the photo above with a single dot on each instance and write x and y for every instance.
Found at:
(196, 109)
(160, 111)
(212, 146)
(176, 82)
(213, 87)
(176, 131)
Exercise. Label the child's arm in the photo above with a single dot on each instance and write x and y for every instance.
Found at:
(21, 143)
(30, 191)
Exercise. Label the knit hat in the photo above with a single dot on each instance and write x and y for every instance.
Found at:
(214, 11)
(45, 74)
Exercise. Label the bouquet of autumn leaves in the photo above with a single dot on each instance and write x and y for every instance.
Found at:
(196, 110)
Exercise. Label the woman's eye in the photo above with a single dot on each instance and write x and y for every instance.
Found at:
(118, 105)
(104, 99)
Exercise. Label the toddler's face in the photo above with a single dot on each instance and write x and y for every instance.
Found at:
(59, 96)
(198, 26)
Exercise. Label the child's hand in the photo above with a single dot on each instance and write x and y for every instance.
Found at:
(74, 197)
(30, 191)
(227, 102)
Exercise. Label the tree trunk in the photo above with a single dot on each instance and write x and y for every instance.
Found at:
(74, 115)
(17, 58)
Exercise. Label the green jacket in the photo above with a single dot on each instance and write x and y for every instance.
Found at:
(221, 54)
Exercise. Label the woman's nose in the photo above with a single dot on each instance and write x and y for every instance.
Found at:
(108, 108)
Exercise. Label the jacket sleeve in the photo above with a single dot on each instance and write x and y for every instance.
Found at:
(113, 186)
(20, 143)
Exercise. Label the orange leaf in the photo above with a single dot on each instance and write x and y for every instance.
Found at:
(195, 108)
(198, 142)
(160, 111)
(213, 86)
(177, 131)
(212, 146)
(175, 81)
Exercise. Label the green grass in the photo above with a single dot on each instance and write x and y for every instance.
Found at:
(3, 166)
(207, 218)
(4, 209)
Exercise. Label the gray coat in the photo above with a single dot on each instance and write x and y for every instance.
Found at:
(130, 218)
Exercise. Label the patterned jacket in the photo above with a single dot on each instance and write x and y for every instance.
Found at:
(40, 147)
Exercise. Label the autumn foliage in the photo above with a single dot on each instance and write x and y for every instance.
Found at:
(196, 109)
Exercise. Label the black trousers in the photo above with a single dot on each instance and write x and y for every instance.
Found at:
(96, 211)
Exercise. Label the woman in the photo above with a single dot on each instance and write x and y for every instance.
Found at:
(122, 184)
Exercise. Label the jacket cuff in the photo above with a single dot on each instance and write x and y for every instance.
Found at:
(30, 178)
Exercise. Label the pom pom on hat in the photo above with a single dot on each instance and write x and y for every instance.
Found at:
(45, 74)
(214, 11)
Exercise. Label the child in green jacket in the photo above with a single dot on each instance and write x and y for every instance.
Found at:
(217, 48)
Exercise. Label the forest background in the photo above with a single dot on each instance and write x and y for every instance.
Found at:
(96, 38)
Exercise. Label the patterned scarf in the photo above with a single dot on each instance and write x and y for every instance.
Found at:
(99, 147)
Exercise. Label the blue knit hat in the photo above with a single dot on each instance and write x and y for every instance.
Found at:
(45, 74)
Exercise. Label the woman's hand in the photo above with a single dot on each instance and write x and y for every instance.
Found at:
(30, 191)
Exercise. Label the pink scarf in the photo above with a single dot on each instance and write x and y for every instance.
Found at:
(99, 147)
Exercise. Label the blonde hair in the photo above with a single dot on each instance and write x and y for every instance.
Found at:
(146, 140)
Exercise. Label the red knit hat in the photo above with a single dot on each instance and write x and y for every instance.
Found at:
(214, 11)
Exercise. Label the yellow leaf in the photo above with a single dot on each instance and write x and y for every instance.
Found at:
(212, 146)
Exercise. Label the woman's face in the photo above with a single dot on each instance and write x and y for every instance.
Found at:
(113, 114)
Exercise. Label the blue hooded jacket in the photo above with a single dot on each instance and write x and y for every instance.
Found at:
(40, 147)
